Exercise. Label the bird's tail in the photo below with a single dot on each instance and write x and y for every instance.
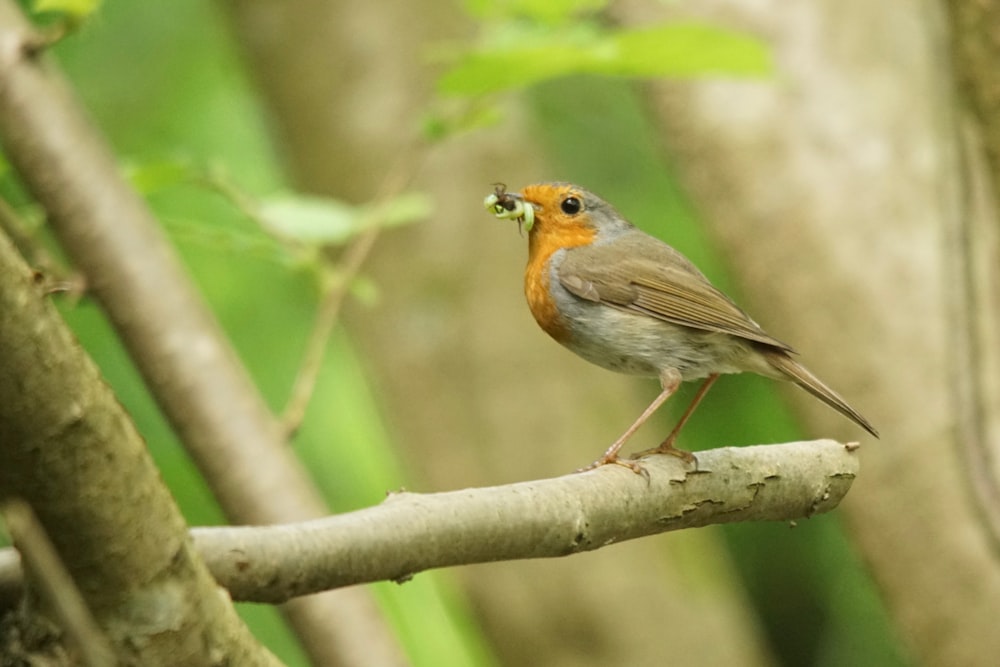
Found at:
(802, 377)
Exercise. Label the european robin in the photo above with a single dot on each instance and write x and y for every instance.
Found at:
(630, 303)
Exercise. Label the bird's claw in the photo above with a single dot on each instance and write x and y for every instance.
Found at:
(682, 454)
(634, 466)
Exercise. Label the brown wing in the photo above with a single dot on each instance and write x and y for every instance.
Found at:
(656, 280)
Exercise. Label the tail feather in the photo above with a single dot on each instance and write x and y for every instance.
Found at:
(802, 377)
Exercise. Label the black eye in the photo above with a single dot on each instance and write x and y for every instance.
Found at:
(571, 205)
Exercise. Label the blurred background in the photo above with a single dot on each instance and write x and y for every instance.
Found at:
(436, 377)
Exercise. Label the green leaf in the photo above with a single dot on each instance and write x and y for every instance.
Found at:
(689, 50)
(155, 176)
(440, 124)
(322, 220)
(545, 11)
(674, 50)
(491, 71)
(76, 9)
(402, 210)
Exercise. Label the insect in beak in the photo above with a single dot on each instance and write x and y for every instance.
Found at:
(510, 206)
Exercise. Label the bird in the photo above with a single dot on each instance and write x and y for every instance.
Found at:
(629, 302)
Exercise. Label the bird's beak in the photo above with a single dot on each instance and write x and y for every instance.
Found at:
(511, 206)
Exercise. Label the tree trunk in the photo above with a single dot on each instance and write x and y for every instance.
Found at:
(852, 195)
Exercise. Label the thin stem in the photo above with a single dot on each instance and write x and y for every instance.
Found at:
(326, 319)
(50, 578)
(334, 295)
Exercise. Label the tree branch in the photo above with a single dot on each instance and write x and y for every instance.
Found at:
(975, 48)
(69, 450)
(11, 581)
(410, 532)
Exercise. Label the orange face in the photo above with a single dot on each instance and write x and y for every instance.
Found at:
(555, 227)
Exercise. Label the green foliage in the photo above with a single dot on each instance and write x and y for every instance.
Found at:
(445, 120)
(325, 221)
(538, 54)
(291, 216)
(286, 227)
(523, 43)
(544, 11)
(153, 176)
(75, 10)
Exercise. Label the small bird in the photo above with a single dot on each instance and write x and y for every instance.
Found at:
(630, 303)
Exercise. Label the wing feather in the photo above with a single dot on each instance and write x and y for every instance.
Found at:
(659, 282)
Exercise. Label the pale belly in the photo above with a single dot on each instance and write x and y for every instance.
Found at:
(638, 344)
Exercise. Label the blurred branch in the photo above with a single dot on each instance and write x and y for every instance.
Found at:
(191, 369)
(410, 532)
(972, 243)
(11, 581)
(57, 589)
(976, 66)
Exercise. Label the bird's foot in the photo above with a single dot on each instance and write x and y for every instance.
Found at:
(634, 466)
(668, 448)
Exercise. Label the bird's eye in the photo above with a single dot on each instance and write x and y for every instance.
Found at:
(571, 206)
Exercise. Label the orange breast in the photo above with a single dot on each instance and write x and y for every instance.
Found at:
(544, 240)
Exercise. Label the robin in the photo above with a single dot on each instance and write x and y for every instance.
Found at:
(630, 303)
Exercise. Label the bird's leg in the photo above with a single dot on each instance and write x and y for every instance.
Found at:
(667, 446)
(670, 379)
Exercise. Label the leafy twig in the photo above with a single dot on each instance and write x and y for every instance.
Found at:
(327, 313)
